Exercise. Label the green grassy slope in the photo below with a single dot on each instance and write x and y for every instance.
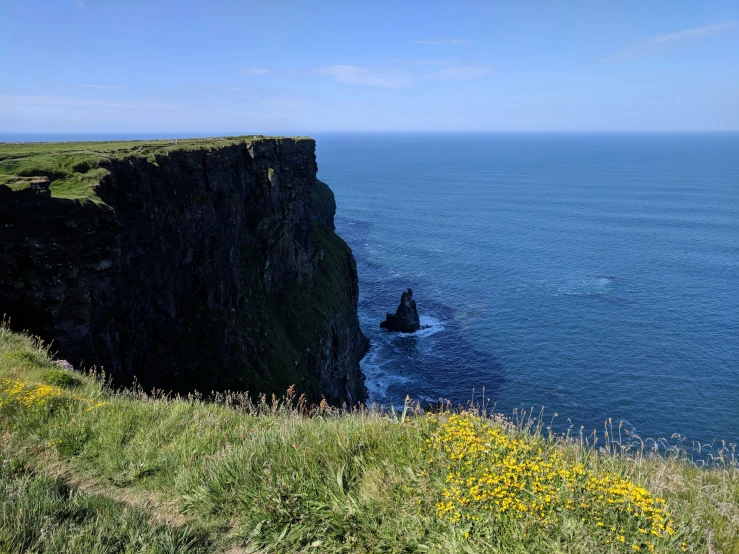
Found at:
(73, 168)
(88, 470)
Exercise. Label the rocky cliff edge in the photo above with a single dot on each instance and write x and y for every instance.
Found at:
(206, 264)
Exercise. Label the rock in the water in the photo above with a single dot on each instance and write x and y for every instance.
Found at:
(405, 319)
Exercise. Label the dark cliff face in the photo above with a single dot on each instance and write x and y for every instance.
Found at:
(204, 268)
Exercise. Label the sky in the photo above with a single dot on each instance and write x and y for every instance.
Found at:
(279, 66)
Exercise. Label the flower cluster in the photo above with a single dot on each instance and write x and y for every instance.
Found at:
(30, 395)
(495, 474)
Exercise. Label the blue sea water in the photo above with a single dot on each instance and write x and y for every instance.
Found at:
(594, 275)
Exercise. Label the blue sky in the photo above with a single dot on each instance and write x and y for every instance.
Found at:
(304, 67)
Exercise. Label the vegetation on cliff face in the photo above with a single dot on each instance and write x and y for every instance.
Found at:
(296, 316)
(86, 469)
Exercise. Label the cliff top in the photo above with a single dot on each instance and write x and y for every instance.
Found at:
(73, 169)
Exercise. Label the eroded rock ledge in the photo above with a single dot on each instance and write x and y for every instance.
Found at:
(207, 268)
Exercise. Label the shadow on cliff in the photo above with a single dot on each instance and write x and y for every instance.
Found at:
(37, 231)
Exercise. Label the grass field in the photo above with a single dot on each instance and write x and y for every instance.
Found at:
(86, 470)
(74, 169)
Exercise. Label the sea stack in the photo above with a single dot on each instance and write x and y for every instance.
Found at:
(405, 319)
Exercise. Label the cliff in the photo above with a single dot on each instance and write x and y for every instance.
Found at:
(209, 264)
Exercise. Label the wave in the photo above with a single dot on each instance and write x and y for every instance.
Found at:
(592, 286)
(436, 326)
(392, 354)
(378, 378)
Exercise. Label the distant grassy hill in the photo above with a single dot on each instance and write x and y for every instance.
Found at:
(87, 470)
(74, 169)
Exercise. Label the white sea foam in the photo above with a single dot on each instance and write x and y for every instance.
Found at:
(379, 380)
(436, 326)
(582, 287)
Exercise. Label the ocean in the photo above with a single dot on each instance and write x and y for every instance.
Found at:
(596, 276)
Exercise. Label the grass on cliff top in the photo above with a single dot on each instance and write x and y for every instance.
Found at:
(74, 168)
(87, 470)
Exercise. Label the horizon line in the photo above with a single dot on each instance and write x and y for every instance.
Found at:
(202, 134)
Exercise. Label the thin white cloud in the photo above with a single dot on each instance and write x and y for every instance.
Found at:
(80, 4)
(405, 74)
(44, 113)
(252, 71)
(100, 87)
(664, 43)
(9, 101)
(237, 89)
(366, 76)
(427, 62)
(85, 86)
(459, 73)
(446, 42)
